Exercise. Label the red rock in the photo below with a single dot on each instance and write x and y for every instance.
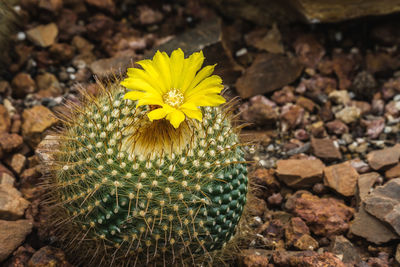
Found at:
(306, 103)
(264, 181)
(326, 113)
(342, 178)
(363, 106)
(12, 234)
(300, 173)
(283, 96)
(295, 230)
(62, 52)
(149, 16)
(384, 158)
(268, 73)
(336, 127)
(254, 258)
(10, 142)
(267, 40)
(275, 199)
(325, 149)
(29, 180)
(5, 120)
(259, 112)
(324, 216)
(343, 65)
(393, 172)
(43, 35)
(309, 50)
(305, 259)
(291, 116)
(49, 256)
(22, 85)
(256, 206)
(20, 257)
(35, 121)
(365, 183)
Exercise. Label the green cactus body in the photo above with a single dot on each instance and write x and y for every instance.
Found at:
(155, 201)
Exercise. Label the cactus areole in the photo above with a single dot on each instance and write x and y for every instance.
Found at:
(151, 170)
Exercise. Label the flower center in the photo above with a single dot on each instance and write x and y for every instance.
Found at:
(174, 98)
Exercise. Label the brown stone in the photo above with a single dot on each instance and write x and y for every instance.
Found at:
(29, 180)
(384, 203)
(148, 15)
(35, 121)
(325, 149)
(256, 136)
(5, 120)
(300, 173)
(10, 142)
(306, 103)
(380, 159)
(393, 172)
(256, 206)
(12, 234)
(324, 216)
(22, 84)
(47, 257)
(297, 234)
(62, 52)
(267, 40)
(254, 258)
(370, 228)
(43, 35)
(51, 5)
(283, 96)
(348, 114)
(336, 127)
(259, 112)
(305, 259)
(342, 178)
(268, 73)
(12, 205)
(306, 242)
(7, 179)
(309, 50)
(108, 66)
(264, 182)
(366, 182)
(17, 163)
(291, 116)
(344, 249)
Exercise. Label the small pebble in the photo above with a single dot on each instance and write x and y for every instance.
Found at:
(21, 36)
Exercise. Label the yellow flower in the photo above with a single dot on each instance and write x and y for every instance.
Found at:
(174, 85)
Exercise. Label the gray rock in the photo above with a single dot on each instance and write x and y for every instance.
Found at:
(345, 250)
(365, 183)
(370, 228)
(384, 203)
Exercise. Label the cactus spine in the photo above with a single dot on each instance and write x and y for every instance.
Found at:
(127, 191)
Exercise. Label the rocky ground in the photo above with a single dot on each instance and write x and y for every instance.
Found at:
(323, 103)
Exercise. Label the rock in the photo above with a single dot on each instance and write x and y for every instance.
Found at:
(259, 136)
(5, 120)
(291, 116)
(300, 173)
(360, 165)
(47, 257)
(29, 180)
(336, 127)
(373, 127)
(259, 112)
(6, 179)
(340, 97)
(51, 5)
(283, 96)
(10, 142)
(325, 149)
(149, 16)
(309, 50)
(20, 257)
(364, 85)
(108, 66)
(35, 121)
(48, 85)
(256, 206)
(254, 258)
(264, 182)
(393, 172)
(12, 205)
(107, 5)
(5, 87)
(364, 106)
(82, 45)
(12, 234)
(343, 66)
(62, 52)
(344, 250)
(297, 234)
(306, 103)
(43, 35)
(305, 259)
(267, 40)
(316, 11)
(384, 203)
(348, 114)
(45, 149)
(370, 228)
(342, 178)
(365, 183)
(384, 158)
(22, 85)
(17, 163)
(268, 73)
(275, 199)
(397, 256)
(324, 216)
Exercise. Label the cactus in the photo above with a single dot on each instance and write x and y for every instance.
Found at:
(127, 190)
(7, 24)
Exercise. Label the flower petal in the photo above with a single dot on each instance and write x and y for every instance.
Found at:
(176, 118)
(149, 100)
(134, 75)
(134, 95)
(194, 114)
(193, 64)
(157, 114)
(177, 59)
(161, 62)
(214, 82)
(200, 76)
(208, 100)
(138, 84)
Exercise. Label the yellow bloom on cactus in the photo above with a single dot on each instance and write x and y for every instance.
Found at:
(175, 87)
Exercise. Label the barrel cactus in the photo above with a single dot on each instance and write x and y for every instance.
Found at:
(149, 175)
